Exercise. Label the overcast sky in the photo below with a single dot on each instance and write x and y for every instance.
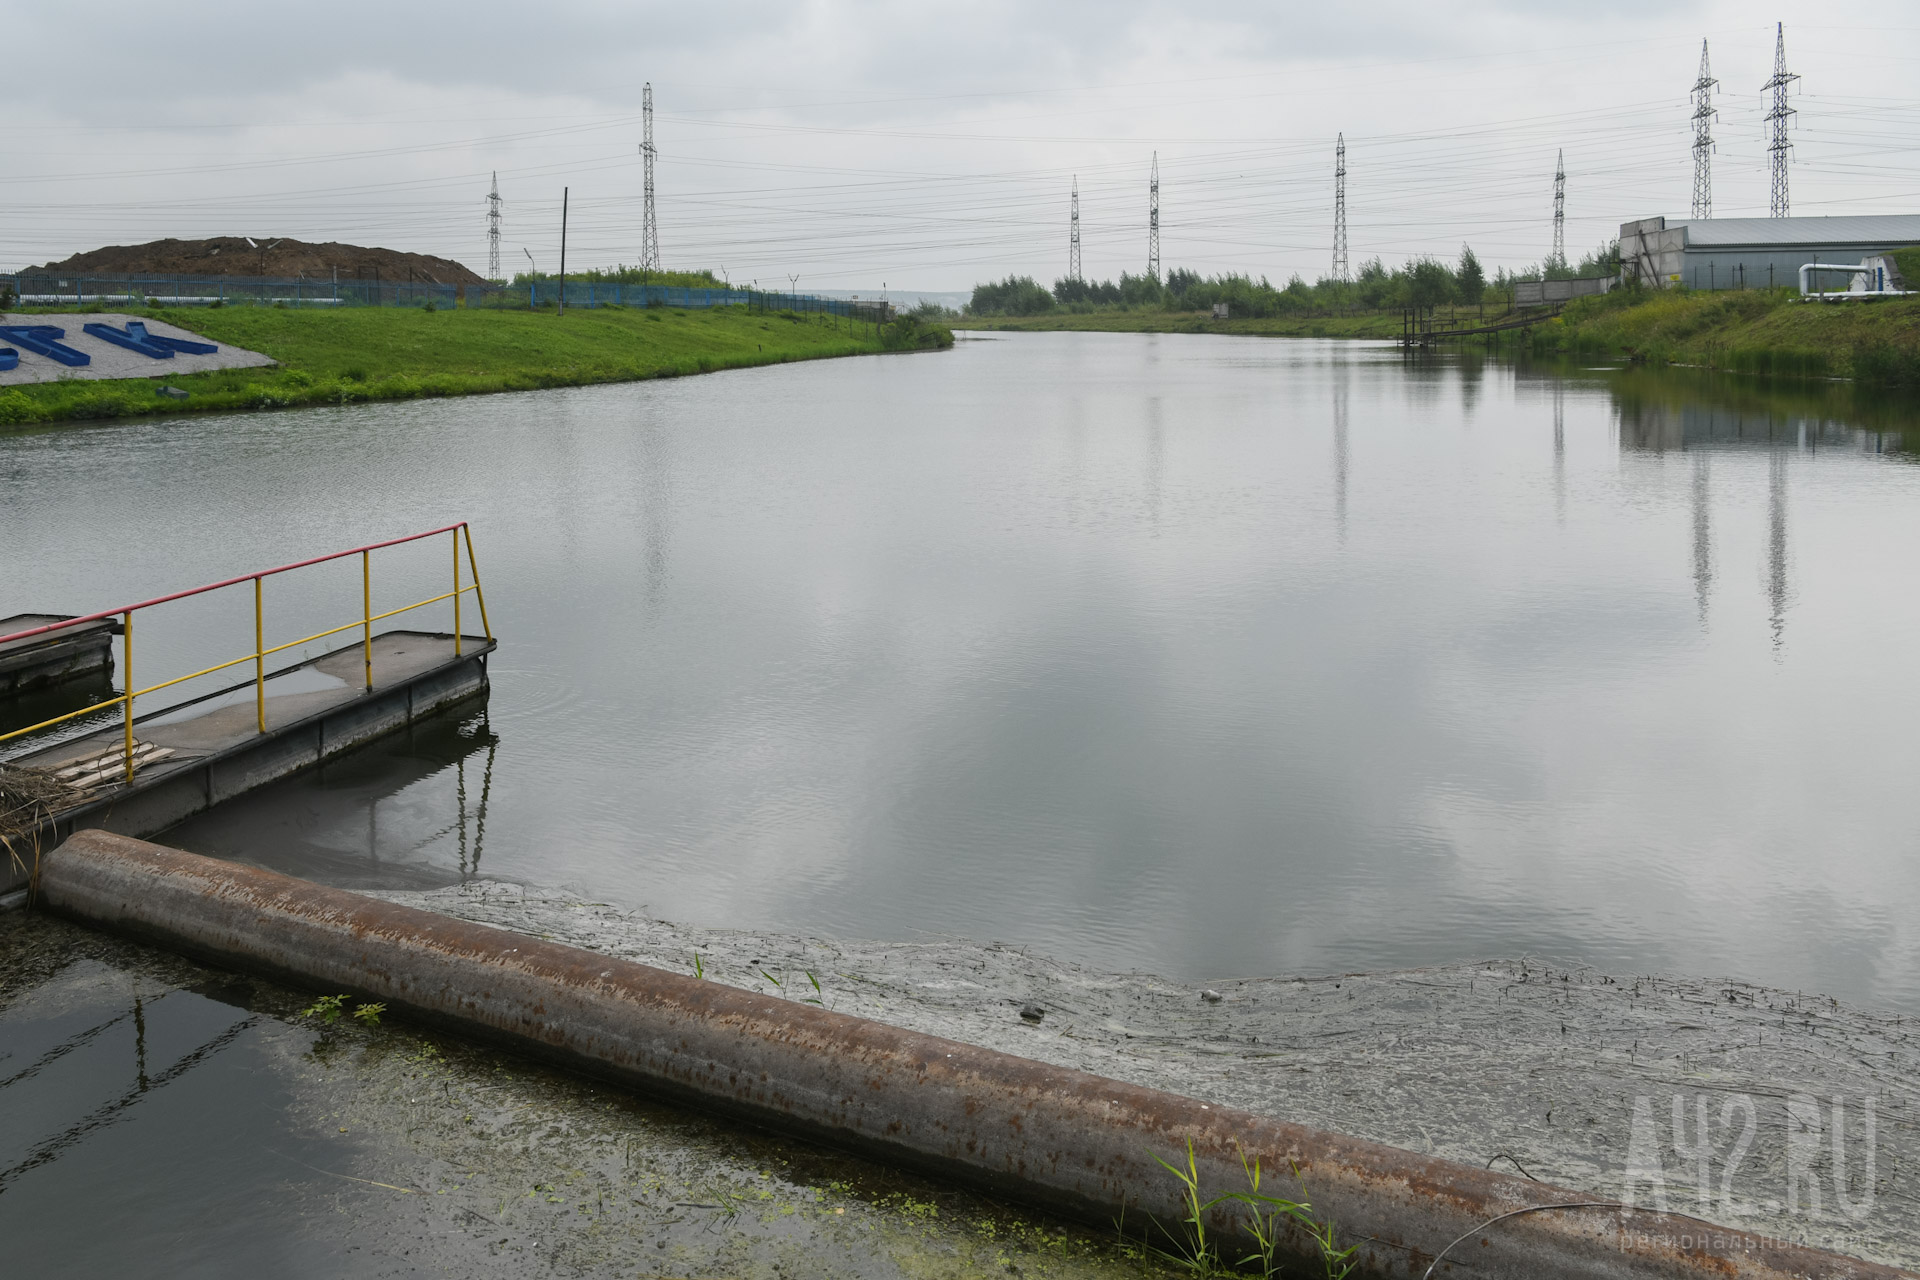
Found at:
(929, 147)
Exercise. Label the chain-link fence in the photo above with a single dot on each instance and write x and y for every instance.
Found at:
(538, 294)
(47, 289)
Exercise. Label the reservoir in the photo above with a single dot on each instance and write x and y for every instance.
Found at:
(1208, 656)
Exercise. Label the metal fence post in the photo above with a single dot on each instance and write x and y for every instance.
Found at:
(126, 659)
(479, 596)
(456, 593)
(366, 604)
(259, 661)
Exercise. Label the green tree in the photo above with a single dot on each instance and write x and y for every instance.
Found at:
(1429, 283)
(1014, 296)
(1471, 279)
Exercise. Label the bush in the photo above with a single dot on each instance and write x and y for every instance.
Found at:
(1884, 365)
(14, 408)
(909, 332)
(1014, 296)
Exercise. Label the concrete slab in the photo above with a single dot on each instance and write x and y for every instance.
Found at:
(110, 361)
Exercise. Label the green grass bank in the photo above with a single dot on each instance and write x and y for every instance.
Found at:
(1768, 331)
(394, 353)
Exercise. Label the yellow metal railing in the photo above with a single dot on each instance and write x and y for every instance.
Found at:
(462, 540)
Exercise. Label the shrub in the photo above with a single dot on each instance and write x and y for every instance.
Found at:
(1884, 365)
(14, 408)
(1014, 296)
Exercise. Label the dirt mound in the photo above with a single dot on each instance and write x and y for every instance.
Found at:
(287, 259)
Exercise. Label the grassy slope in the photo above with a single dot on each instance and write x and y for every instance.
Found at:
(1760, 331)
(1370, 325)
(336, 357)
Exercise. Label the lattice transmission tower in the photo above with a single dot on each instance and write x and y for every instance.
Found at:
(1703, 115)
(650, 229)
(1340, 271)
(1073, 233)
(1153, 221)
(493, 230)
(1778, 118)
(1559, 258)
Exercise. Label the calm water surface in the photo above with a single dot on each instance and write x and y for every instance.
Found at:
(1199, 654)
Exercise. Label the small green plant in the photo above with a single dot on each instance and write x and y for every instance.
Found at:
(327, 1008)
(1269, 1218)
(699, 969)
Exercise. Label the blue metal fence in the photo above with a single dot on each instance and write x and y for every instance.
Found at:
(588, 293)
(48, 289)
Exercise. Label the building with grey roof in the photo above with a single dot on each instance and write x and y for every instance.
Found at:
(1752, 253)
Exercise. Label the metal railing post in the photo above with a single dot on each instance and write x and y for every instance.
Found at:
(126, 658)
(259, 660)
(366, 603)
(479, 596)
(456, 593)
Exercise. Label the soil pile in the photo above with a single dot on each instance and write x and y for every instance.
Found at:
(287, 259)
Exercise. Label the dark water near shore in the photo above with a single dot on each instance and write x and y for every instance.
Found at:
(1204, 655)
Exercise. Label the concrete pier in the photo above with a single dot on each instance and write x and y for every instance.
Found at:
(197, 754)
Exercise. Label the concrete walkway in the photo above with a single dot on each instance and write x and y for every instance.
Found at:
(111, 361)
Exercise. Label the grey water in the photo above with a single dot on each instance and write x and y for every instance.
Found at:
(1203, 655)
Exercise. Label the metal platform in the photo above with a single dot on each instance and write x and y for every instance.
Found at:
(39, 662)
(210, 749)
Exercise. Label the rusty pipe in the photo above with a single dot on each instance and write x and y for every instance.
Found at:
(1064, 1140)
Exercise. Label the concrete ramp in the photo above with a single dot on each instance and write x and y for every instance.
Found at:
(109, 359)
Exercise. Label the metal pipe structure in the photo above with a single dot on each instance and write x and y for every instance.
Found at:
(1062, 1139)
(1854, 268)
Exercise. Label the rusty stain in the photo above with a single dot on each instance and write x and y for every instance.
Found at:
(1069, 1141)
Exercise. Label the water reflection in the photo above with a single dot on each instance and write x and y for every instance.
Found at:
(157, 1103)
(407, 811)
(1702, 531)
(36, 706)
(1340, 454)
(1090, 641)
(1777, 541)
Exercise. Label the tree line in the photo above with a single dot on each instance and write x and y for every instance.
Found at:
(1420, 282)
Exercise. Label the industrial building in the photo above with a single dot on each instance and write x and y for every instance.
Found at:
(1752, 253)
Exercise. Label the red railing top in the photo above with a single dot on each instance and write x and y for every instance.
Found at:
(215, 586)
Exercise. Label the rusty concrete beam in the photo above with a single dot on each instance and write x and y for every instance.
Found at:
(1072, 1142)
